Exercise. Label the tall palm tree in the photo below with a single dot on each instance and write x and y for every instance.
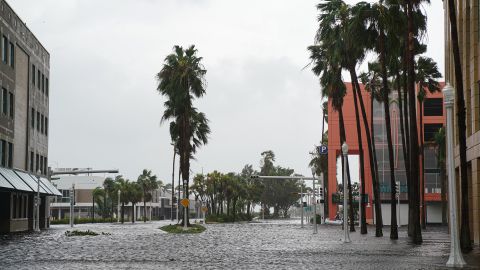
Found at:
(97, 194)
(134, 195)
(427, 74)
(325, 66)
(109, 187)
(465, 240)
(122, 185)
(181, 80)
(148, 183)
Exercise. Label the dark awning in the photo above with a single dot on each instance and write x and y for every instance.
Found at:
(23, 181)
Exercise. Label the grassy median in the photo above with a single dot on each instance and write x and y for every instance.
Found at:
(194, 228)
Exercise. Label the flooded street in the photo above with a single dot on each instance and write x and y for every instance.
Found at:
(269, 245)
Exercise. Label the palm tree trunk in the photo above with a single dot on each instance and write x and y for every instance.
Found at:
(386, 108)
(465, 240)
(173, 184)
(414, 170)
(363, 221)
(343, 139)
(373, 162)
(123, 212)
(422, 171)
(144, 208)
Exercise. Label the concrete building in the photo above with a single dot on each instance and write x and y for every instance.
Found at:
(468, 25)
(158, 208)
(433, 118)
(24, 125)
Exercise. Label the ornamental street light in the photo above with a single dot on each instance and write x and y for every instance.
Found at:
(346, 238)
(455, 259)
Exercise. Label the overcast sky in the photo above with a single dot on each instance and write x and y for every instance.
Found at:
(104, 108)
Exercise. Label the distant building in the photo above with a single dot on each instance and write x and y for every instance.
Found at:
(468, 26)
(158, 208)
(24, 120)
(433, 118)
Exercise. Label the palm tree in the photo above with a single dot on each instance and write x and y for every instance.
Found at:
(345, 28)
(148, 183)
(97, 193)
(134, 195)
(181, 80)
(122, 185)
(426, 77)
(329, 71)
(109, 187)
(465, 240)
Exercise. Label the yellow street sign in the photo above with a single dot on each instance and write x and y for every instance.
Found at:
(185, 202)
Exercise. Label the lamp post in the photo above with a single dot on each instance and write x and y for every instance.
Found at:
(346, 238)
(360, 198)
(118, 206)
(314, 204)
(455, 259)
(72, 202)
(322, 196)
(301, 200)
(37, 204)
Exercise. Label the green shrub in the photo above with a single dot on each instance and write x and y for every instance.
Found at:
(319, 219)
(223, 218)
(195, 228)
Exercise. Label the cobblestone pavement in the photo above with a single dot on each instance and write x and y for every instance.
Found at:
(269, 245)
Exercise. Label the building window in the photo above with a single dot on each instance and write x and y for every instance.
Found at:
(4, 49)
(31, 161)
(33, 74)
(32, 121)
(3, 152)
(41, 165)
(38, 121)
(46, 86)
(10, 155)
(42, 123)
(12, 107)
(4, 101)
(43, 83)
(433, 107)
(45, 166)
(12, 55)
(46, 126)
(37, 163)
(429, 131)
(38, 78)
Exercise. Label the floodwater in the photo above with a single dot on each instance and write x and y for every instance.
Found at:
(262, 245)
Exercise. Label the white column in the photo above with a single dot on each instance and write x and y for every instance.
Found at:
(455, 259)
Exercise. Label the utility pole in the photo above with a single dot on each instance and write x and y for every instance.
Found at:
(314, 204)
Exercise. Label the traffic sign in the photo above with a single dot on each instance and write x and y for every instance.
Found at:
(204, 209)
(322, 149)
(185, 202)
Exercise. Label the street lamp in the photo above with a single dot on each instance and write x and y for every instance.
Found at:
(346, 238)
(314, 204)
(455, 259)
(37, 204)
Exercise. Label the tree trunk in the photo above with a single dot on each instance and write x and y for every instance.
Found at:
(388, 129)
(173, 184)
(363, 221)
(414, 170)
(422, 171)
(144, 208)
(123, 212)
(372, 160)
(465, 240)
(343, 138)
